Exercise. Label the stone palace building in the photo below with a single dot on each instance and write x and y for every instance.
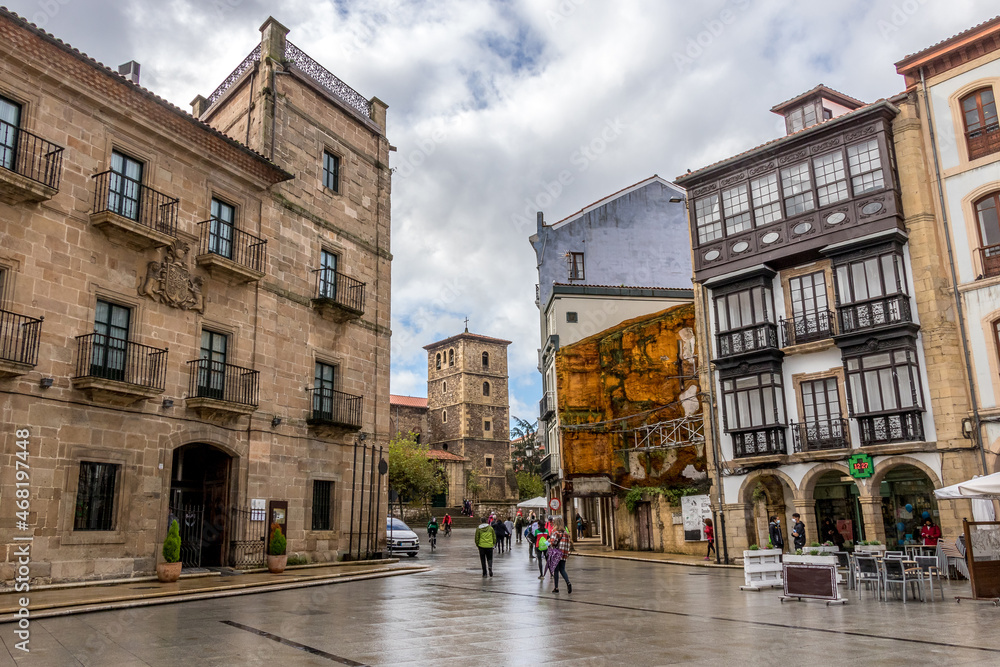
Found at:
(194, 310)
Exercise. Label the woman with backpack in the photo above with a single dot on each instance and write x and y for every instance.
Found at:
(541, 545)
(558, 552)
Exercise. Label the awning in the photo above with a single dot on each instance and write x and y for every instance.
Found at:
(540, 501)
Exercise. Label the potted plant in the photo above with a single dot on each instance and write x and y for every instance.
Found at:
(276, 557)
(170, 569)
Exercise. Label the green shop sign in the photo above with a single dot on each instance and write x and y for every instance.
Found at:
(861, 466)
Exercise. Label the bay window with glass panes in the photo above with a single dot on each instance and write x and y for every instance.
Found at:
(871, 291)
(754, 413)
(885, 395)
(745, 321)
(795, 189)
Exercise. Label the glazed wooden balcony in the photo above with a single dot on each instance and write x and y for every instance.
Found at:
(886, 428)
(807, 328)
(819, 435)
(760, 441)
(757, 337)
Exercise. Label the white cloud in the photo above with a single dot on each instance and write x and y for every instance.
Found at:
(489, 101)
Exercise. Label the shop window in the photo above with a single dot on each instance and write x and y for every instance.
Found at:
(322, 505)
(979, 114)
(95, 496)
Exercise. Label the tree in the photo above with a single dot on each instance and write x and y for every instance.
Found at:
(412, 475)
(526, 453)
(529, 485)
(472, 485)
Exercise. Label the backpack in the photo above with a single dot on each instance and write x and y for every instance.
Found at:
(543, 542)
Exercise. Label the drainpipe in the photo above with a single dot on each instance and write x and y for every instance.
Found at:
(976, 421)
(716, 447)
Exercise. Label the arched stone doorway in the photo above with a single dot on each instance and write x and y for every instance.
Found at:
(907, 494)
(199, 500)
(838, 500)
(764, 495)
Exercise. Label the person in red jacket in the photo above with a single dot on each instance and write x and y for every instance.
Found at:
(710, 536)
(929, 533)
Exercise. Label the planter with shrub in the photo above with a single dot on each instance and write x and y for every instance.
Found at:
(170, 569)
(276, 557)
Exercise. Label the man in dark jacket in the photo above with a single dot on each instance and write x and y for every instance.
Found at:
(798, 532)
(501, 531)
(774, 531)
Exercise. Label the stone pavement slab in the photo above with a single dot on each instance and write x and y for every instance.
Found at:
(591, 546)
(100, 596)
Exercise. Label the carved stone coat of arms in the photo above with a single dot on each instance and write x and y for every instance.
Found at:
(170, 281)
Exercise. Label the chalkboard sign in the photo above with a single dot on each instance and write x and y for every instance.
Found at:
(818, 582)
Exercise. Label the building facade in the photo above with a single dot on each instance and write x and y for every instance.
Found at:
(621, 257)
(954, 85)
(195, 309)
(630, 415)
(835, 374)
(469, 410)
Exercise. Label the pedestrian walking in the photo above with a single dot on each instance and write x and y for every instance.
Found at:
(519, 525)
(710, 538)
(558, 553)
(486, 539)
(541, 545)
(509, 526)
(580, 526)
(774, 532)
(500, 531)
(798, 532)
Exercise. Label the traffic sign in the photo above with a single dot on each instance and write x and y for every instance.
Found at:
(554, 504)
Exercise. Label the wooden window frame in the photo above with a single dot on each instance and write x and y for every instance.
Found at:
(774, 385)
(767, 303)
(984, 127)
(577, 268)
(850, 299)
(894, 366)
(335, 174)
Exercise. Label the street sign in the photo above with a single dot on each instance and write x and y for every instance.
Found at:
(554, 504)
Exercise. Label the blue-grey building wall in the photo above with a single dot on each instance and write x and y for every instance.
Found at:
(637, 239)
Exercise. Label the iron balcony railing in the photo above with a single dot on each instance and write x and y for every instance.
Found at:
(223, 382)
(989, 257)
(131, 199)
(335, 408)
(807, 328)
(760, 441)
(223, 239)
(109, 358)
(891, 427)
(748, 339)
(29, 155)
(19, 336)
(549, 466)
(874, 313)
(344, 291)
(983, 141)
(547, 405)
(819, 435)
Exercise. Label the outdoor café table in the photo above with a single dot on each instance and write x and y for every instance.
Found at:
(919, 550)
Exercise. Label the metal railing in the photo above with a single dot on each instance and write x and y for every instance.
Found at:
(109, 358)
(223, 382)
(131, 199)
(989, 257)
(984, 141)
(890, 427)
(19, 336)
(819, 435)
(759, 441)
(547, 405)
(29, 155)
(874, 313)
(334, 287)
(247, 537)
(807, 328)
(333, 407)
(191, 525)
(326, 79)
(549, 466)
(748, 339)
(227, 241)
(248, 63)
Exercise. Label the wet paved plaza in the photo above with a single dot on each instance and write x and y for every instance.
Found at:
(620, 613)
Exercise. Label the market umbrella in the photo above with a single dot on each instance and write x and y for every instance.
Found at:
(986, 487)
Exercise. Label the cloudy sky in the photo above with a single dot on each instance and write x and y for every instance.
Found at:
(490, 100)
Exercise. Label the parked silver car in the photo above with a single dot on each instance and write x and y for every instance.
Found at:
(399, 538)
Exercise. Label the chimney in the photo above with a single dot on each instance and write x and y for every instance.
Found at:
(130, 71)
